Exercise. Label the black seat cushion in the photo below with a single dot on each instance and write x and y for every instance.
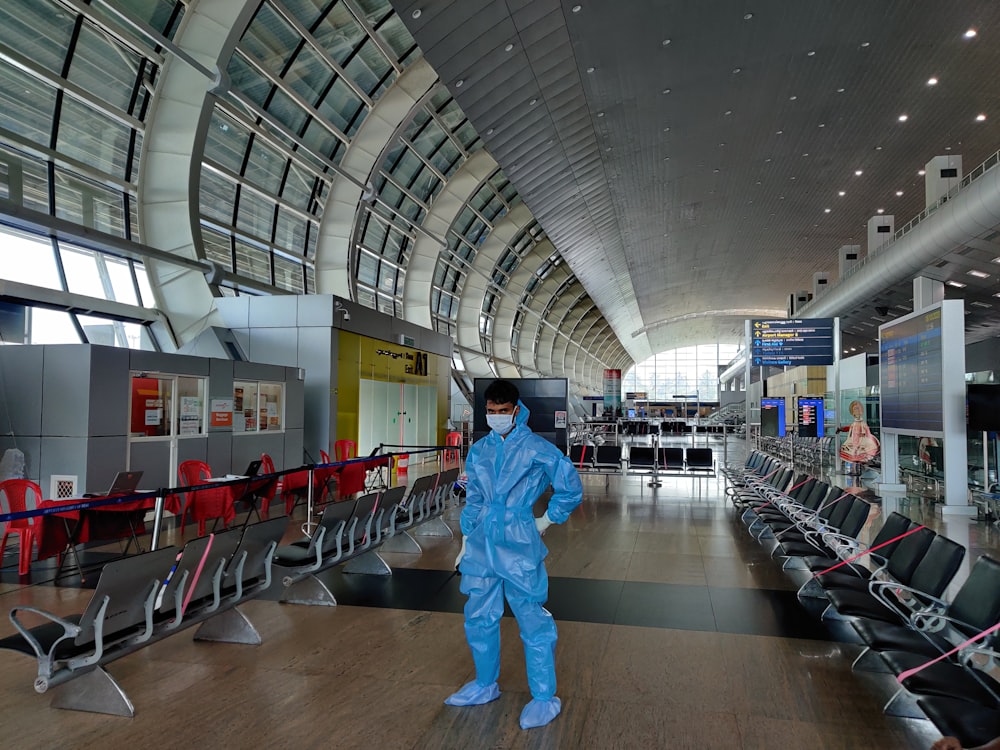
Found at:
(944, 679)
(885, 636)
(972, 724)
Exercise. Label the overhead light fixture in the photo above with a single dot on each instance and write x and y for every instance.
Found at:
(878, 148)
(590, 69)
(822, 125)
(792, 98)
(737, 70)
(921, 172)
(858, 173)
(979, 274)
(509, 47)
(728, 112)
(747, 16)
(899, 193)
(980, 117)
(970, 34)
(489, 132)
(932, 81)
(880, 211)
(779, 132)
(956, 284)
(577, 8)
(666, 42)
(841, 91)
(599, 114)
(904, 118)
(865, 44)
(416, 13)
(666, 91)
(666, 129)
(827, 210)
(459, 83)
(533, 102)
(841, 193)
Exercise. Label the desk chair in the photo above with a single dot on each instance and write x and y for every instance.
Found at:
(13, 499)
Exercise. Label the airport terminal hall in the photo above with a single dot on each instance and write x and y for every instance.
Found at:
(543, 374)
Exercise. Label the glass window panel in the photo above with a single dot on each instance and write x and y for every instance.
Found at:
(39, 29)
(255, 215)
(120, 276)
(387, 278)
(101, 331)
(145, 290)
(368, 67)
(424, 183)
(429, 139)
(339, 33)
(190, 406)
(93, 138)
(396, 36)
(309, 75)
(26, 105)
(27, 259)
(407, 167)
(374, 234)
(270, 39)
(312, 240)
(320, 139)
(109, 215)
(151, 406)
(82, 275)
(227, 140)
(217, 248)
(307, 11)
(367, 268)
(287, 111)
(245, 78)
(310, 280)
(24, 180)
(52, 327)
(290, 232)
(217, 196)
(451, 115)
(340, 105)
(446, 158)
(80, 200)
(467, 135)
(253, 262)
(298, 187)
(245, 406)
(103, 68)
(266, 167)
(288, 274)
(271, 407)
(157, 13)
(366, 298)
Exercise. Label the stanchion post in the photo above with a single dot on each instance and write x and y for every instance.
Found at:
(154, 542)
(309, 525)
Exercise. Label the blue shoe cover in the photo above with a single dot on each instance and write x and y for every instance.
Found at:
(474, 694)
(538, 713)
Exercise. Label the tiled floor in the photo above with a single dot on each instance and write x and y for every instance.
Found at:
(676, 630)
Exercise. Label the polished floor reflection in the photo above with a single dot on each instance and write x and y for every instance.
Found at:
(676, 630)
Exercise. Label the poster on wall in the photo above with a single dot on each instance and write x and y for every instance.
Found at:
(153, 417)
(221, 412)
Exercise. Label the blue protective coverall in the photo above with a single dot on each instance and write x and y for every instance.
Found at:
(504, 557)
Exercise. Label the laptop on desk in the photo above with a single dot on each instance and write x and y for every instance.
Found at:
(125, 482)
(249, 473)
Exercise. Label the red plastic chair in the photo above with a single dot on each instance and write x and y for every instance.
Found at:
(14, 499)
(452, 459)
(268, 495)
(324, 457)
(345, 449)
(202, 505)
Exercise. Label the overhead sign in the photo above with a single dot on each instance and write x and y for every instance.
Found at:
(790, 343)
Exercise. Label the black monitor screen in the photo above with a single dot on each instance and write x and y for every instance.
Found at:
(810, 417)
(910, 374)
(772, 417)
(546, 399)
(984, 407)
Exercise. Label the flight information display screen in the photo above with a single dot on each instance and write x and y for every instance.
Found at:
(911, 374)
(811, 417)
(772, 417)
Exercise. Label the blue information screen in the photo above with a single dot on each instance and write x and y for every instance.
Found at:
(772, 417)
(810, 415)
(790, 343)
(910, 372)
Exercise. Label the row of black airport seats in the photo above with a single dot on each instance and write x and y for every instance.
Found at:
(613, 459)
(940, 651)
(144, 598)
(642, 427)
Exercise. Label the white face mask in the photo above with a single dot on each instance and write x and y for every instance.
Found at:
(501, 424)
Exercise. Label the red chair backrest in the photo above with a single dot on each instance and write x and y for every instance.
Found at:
(324, 457)
(453, 438)
(266, 464)
(345, 449)
(14, 498)
(193, 472)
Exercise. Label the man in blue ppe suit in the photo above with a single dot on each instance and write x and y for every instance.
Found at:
(502, 552)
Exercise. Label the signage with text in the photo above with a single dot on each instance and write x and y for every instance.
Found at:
(790, 343)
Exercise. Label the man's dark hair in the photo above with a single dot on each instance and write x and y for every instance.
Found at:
(502, 392)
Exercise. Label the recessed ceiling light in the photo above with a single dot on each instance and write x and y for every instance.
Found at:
(858, 173)
(459, 83)
(489, 132)
(666, 42)
(577, 8)
(956, 284)
(822, 124)
(666, 91)
(715, 171)
(728, 112)
(722, 144)
(811, 53)
(590, 69)
(768, 159)
(792, 98)
(980, 117)
(737, 70)
(932, 81)
(416, 13)
(840, 91)
(609, 148)
(904, 118)
(878, 148)
(865, 44)
(881, 211)
(841, 193)
(921, 172)
(899, 193)
(806, 154)
(979, 274)
(599, 114)
(666, 158)
(779, 132)
(747, 16)
(970, 34)
(666, 130)
(533, 102)
(508, 48)
(826, 210)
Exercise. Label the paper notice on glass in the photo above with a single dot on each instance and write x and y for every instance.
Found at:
(272, 409)
(189, 426)
(152, 417)
(190, 406)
